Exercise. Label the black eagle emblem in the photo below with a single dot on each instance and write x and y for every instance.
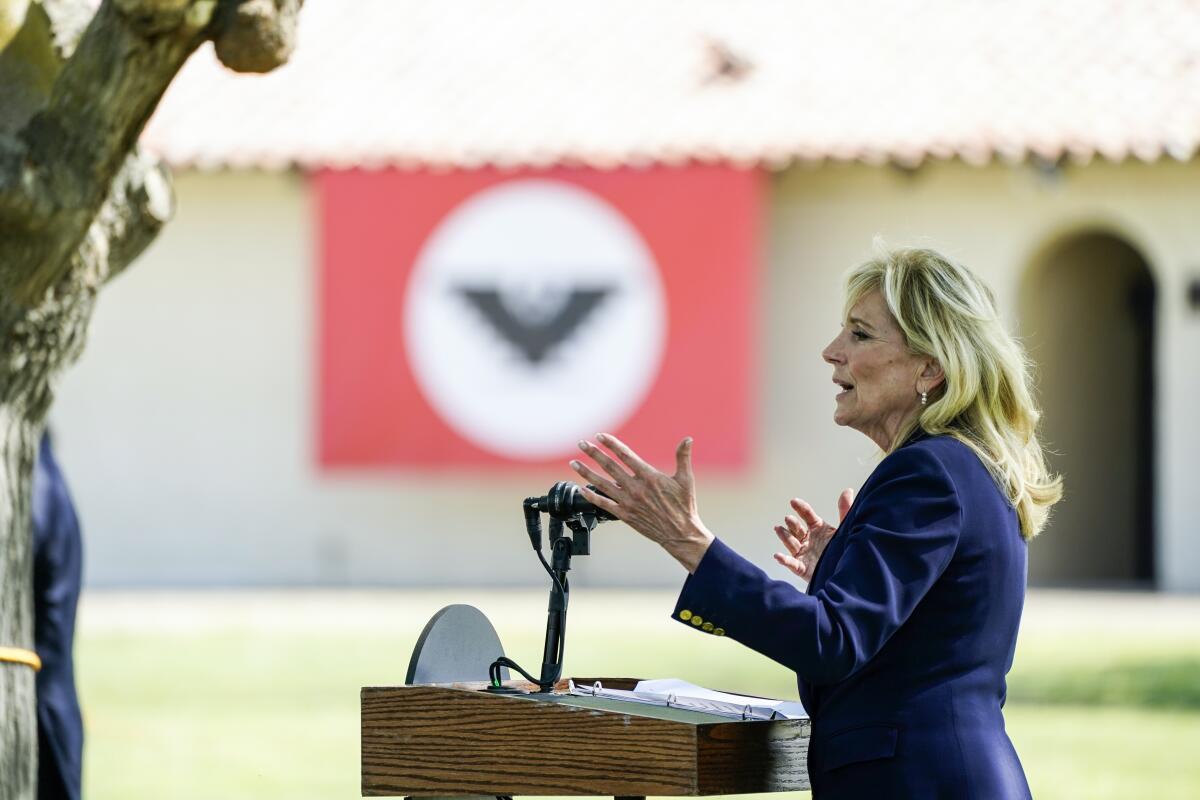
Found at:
(535, 338)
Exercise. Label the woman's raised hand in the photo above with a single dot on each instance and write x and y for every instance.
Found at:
(806, 535)
(661, 507)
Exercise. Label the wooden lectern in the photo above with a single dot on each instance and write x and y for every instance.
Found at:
(457, 739)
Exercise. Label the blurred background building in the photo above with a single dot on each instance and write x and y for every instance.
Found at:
(412, 267)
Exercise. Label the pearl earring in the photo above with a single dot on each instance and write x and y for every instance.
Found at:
(924, 398)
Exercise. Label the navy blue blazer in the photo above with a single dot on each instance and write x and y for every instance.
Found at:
(903, 638)
(57, 573)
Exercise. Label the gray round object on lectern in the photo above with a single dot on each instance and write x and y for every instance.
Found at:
(458, 644)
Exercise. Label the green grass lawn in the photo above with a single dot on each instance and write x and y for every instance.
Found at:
(258, 697)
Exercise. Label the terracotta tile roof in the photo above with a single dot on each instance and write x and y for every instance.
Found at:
(535, 82)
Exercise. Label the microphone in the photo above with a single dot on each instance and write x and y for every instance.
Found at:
(565, 501)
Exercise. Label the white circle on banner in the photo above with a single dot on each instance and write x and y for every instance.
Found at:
(534, 317)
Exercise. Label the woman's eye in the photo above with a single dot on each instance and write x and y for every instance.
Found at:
(860, 335)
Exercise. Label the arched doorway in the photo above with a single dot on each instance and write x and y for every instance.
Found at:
(1087, 318)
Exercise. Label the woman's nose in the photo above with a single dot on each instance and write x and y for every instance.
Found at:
(831, 353)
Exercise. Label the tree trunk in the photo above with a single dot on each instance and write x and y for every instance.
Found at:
(18, 735)
(78, 202)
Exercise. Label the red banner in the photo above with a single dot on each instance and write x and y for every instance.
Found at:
(491, 318)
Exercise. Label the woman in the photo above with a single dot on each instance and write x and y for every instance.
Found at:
(908, 626)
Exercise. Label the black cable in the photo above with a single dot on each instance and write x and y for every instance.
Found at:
(504, 661)
(553, 575)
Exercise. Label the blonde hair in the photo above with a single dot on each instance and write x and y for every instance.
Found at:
(986, 400)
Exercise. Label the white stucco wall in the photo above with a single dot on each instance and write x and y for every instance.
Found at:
(188, 433)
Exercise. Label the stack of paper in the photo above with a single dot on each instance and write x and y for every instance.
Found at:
(681, 694)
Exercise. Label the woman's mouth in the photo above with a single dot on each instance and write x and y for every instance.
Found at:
(847, 388)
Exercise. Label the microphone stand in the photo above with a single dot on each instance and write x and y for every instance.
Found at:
(562, 548)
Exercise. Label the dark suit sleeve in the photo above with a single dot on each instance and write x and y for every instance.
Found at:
(902, 536)
(57, 572)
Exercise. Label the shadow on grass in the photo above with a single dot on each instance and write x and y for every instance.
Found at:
(1161, 683)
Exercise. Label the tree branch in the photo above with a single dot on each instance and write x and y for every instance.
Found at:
(58, 171)
(141, 202)
(256, 35)
(100, 102)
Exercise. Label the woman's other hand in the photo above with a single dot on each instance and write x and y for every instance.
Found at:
(661, 507)
(806, 535)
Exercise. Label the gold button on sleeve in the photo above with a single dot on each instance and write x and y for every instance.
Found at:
(719, 632)
(706, 627)
(685, 615)
(697, 620)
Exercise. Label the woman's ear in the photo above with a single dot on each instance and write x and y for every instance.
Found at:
(931, 375)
